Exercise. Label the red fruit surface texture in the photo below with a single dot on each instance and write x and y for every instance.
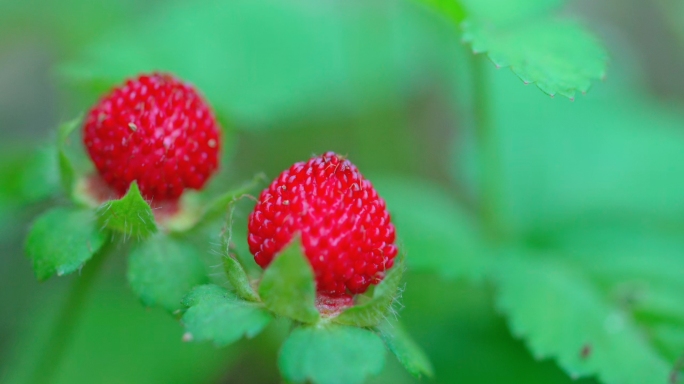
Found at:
(155, 129)
(345, 228)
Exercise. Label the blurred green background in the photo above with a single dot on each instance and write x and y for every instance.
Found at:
(387, 83)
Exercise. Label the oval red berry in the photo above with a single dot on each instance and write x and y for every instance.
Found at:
(155, 129)
(345, 228)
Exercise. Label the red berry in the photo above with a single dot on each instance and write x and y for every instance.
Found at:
(345, 228)
(157, 130)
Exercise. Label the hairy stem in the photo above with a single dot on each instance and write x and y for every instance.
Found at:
(56, 346)
(490, 188)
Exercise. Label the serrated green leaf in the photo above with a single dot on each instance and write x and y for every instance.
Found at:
(162, 269)
(331, 355)
(436, 234)
(66, 169)
(563, 310)
(378, 308)
(409, 354)
(288, 287)
(131, 215)
(559, 56)
(62, 240)
(215, 314)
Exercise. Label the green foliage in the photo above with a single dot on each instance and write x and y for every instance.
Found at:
(613, 155)
(131, 215)
(565, 314)
(66, 169)
(215, 314)
(62, 240)
(238, 277)
(163, 269)
(559, 56)
(330, 355)
(434, 231)
(501, 12)
(375, 310)
(409, 354)
(288, 288)
(264, 77)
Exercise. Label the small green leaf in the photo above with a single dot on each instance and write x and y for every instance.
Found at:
(236, 274)
(559, 56)
(66, 168)
(130, 215)
(330, 355)
(288, 287)
(217, 315)
(238, 278)
(162, 269)
(409, 354)
(375, 310)
(62, 240)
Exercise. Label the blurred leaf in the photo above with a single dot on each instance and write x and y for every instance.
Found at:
(267, 62)
(410, 355)
(62, 240)
(501, 12)
(584, 304)
(116, 341)
(163, 269)
(614, 155)
(375, 310)
(450, 8)
(288, 288)
(29, 175)
(559, 56)
(219, 316)
(66, 169)
(332, 354)
(436, 233)
(130, 215)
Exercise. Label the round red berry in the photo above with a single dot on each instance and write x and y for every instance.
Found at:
(155, 129)
(345, 228)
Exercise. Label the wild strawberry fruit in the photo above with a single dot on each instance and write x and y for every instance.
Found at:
(345, 229)
(155, 129)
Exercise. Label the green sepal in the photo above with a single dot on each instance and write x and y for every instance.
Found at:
(409, 354)
(238, 277)
(130, 215)
(215, 314)
(288, 288)
(375, 310)
(162, 269)
(61, 240)
(331, 354)
(235, 272)
(66, 168)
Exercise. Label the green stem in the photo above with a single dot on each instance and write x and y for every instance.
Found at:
(490, 201)
(61, 334)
